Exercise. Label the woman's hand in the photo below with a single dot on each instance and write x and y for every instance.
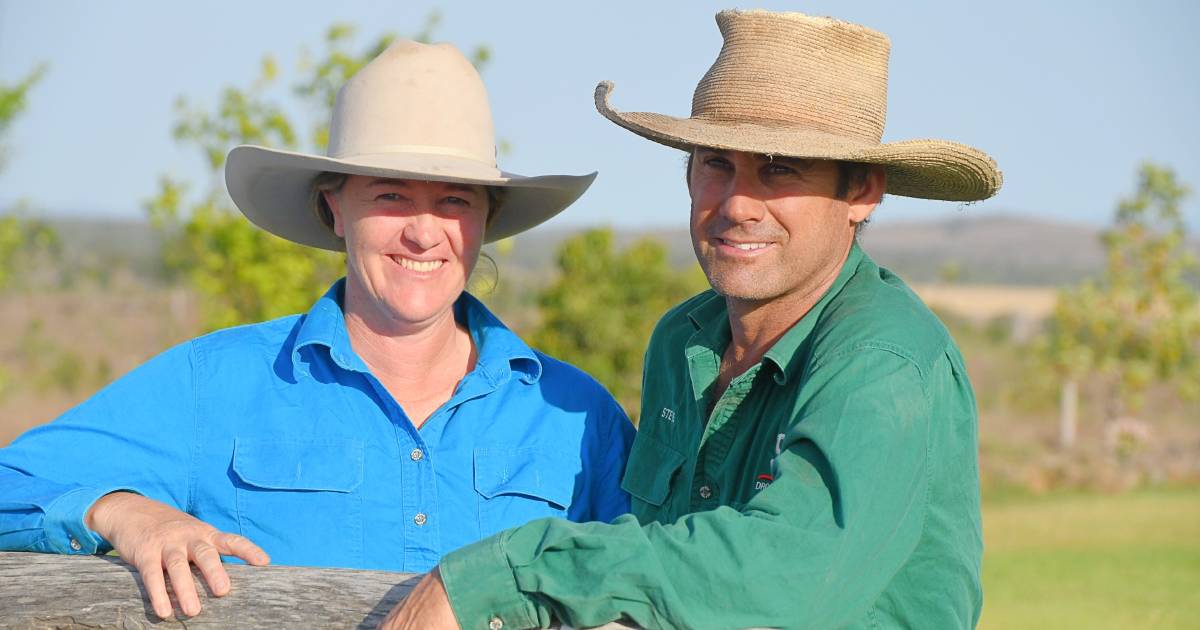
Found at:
(152, 536)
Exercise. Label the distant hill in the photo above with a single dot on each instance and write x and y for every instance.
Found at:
(988, 249)
(110, 242)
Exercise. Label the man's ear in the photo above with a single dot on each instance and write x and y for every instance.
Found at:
(863, 200)
(331, 200)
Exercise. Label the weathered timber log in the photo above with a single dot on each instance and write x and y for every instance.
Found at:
(44, 591)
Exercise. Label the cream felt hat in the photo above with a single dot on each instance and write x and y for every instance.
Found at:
(417, 111)
(790, 84)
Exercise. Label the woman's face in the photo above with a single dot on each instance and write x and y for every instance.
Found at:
(410, 246)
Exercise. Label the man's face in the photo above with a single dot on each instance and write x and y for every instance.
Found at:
(410, 245)
(765, 229)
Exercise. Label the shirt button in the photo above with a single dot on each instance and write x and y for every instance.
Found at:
(417, 455)
(705, 492)
(75, 545)
(420, 518)
(496, 623)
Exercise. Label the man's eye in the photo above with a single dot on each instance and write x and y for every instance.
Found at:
(458, 201)
(717, 162)
(780, 169)
(388, 197)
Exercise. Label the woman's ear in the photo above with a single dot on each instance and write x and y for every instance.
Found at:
(331, 200)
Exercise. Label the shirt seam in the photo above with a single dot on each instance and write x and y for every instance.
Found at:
(898, 350)
(194, 359)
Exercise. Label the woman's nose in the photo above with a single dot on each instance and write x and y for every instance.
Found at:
(422, 231)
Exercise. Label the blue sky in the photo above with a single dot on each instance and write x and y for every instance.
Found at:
(1067, 96)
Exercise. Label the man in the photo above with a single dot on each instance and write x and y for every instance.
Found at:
(807, 449)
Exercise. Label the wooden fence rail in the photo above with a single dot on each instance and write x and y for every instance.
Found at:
(42, 591)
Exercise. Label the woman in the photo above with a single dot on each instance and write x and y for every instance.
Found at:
(395, 421)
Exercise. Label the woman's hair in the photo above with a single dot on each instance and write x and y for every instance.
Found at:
(333, 182)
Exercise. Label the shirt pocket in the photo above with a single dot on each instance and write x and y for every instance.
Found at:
(519, 484)
(299, 500)
(648, 475)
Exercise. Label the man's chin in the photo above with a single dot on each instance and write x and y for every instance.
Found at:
(740, 286)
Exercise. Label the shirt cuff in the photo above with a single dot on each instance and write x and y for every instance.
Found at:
(63, 525)
(483, 590)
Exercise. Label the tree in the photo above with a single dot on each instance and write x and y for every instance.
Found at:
(600, 311)
(23, 242)
(242, 273)
(1140, 321)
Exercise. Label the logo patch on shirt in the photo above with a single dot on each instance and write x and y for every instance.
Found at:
(668, 415)
(762, 481)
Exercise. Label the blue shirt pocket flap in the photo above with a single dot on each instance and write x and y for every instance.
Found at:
(312, 465)
(527, 471)
(651, 466)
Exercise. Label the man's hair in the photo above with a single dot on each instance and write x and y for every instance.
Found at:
(333, 182)
(851, 175)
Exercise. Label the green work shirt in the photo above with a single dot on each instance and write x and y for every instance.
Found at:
(834, 484)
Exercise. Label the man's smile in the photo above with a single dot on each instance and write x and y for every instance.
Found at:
(740, 248)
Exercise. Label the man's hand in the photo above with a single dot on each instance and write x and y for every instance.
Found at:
(427, 606)
(152, 536)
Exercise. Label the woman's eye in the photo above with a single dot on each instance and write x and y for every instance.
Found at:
(717, 162)
(780, 169)
(388, 197)
(458, 201)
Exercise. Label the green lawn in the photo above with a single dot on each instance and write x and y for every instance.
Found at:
(1093, 561)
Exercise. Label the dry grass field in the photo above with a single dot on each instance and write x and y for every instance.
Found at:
(981, 302)
(61, 346)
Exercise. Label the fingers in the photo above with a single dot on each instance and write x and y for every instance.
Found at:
(153, 536)
(180, 572)
(207, 559)
(241, 547)
(156, 586)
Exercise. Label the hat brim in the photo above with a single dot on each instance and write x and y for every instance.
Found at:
(926, 169)
(273, 188)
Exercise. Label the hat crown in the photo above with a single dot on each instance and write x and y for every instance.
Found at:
(414, 98)
(793, 69)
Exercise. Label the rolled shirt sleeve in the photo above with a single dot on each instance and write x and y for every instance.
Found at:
(814, 549)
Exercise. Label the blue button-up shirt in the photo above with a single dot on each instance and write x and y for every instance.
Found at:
(278, 431)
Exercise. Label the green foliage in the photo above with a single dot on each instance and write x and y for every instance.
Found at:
(601, 310)
(26, 245)
(242, 273)
(13, 101)
(1140, 321)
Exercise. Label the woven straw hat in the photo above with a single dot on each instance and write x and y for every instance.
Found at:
(794, 85)
(417, 111)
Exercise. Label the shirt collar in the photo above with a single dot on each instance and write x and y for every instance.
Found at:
(500, 351)
(785, 353)
(711, 319)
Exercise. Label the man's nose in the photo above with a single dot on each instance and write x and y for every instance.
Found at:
(742, 201)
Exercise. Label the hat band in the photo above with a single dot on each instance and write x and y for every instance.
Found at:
(417, 149)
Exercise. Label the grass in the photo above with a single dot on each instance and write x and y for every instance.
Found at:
(1093, 561)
